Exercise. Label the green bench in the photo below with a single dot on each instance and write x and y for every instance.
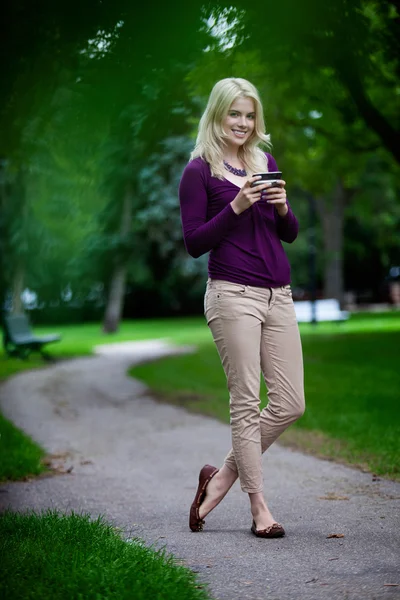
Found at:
(18, 339)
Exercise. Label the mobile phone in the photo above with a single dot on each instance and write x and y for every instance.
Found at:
(272, 176)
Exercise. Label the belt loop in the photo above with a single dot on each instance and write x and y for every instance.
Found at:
(272, 297)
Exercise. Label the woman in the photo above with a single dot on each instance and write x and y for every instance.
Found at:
(248, 300)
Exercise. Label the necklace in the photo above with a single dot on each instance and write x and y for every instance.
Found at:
(234, 171)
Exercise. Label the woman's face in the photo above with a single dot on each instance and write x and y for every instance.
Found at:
(239, 122)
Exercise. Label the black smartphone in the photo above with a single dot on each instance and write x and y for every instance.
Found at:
(272, 176)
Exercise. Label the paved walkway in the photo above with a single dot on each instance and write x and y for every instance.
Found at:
(137, 461)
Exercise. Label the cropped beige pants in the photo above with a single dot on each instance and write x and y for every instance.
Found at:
(255, 330)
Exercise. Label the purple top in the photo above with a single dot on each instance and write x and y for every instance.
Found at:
(243, 248)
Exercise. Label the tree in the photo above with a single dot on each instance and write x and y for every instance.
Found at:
(39, 48)
(139, 97)
(355, 41)
(322, 148)
(110, 100)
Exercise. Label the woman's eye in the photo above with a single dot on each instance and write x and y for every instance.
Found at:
(233, 114)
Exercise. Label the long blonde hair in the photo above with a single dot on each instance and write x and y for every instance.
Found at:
(211, 137)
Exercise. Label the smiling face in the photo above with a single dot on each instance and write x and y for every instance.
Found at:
(239, 122)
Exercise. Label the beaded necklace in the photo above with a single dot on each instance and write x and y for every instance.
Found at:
(234, 171)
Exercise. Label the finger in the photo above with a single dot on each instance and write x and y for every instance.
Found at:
(273, 194)
(280, 201)
(254, 192)
(274, 200)
(275, 189)
(263, 187)
(274, 186)
(252, 180)
(277, 183)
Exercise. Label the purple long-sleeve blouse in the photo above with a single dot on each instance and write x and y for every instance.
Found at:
(243, 248)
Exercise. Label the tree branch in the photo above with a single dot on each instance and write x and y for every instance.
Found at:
(389, 136)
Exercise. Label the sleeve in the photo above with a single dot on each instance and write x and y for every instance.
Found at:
(200, 235)
(287, 226)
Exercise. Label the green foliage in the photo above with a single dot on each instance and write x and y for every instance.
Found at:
(103, 108)
(321, 143)
(51, 556)
(171, 272)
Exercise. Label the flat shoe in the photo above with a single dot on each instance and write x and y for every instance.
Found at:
(206, 474)
(276, 530)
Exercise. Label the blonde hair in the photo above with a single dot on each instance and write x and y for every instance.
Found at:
(211, 137)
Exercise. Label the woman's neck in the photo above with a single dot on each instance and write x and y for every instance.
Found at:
(232, 157)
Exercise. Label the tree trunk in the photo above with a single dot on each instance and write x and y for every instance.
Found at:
(116, 295)
(19, 252)
(332, 219)
(114, 307)
(17, 286)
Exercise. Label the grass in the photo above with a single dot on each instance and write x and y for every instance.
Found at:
(65, 557)
(79, 340)
(68, 557)
(19, 455)
(352, 390)
(352, 382)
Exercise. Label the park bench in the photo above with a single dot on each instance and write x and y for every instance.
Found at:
(18, 339)
(325, 310)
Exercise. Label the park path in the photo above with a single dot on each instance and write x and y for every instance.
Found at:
(136, 461)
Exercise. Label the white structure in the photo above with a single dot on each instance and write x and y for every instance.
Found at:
(325, 310)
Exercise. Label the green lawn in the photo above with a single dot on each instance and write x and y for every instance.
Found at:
(352, 381)
(79, 340)
(19, 455)
(55, 557)
(59, 557)
(352, 390)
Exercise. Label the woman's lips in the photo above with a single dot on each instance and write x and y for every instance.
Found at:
(238, 133)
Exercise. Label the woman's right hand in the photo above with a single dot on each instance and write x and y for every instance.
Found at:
(249, 195)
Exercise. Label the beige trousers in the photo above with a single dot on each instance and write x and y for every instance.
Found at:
(255, 329)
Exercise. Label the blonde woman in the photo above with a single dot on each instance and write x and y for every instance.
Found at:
(248, 301)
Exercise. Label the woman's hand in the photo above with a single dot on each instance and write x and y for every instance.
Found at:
(277, 195)
(263, 191)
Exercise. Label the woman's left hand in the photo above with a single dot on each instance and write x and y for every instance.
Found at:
(277, 195)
